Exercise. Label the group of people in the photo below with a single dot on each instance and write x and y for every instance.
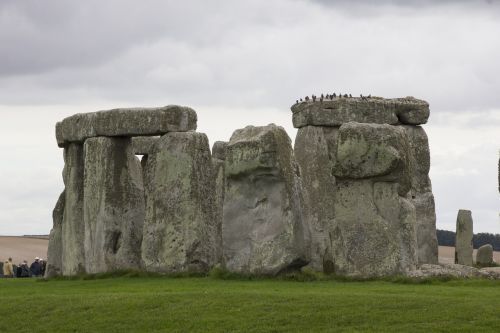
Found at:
(36, 269)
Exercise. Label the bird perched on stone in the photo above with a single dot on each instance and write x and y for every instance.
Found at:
(322, 96)
(334, 95)
(350, 96)
(307, 98)
(314, 98)
(301, 99)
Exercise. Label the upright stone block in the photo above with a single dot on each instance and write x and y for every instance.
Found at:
(463, 240)
(73, 227)
(318, 183)
(114, 207)
(263, 229)
(218, 162)
(484, 255)
(180, 229)
(54, 251)
(421, 195)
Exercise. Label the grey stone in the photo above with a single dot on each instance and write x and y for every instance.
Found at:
(318, 184)
(484, 255)
(125, 122)
(463, 240)
(218, 163)
(421, 195)
(114, 207)
(144, 145)
(447, 270)
(180, 229)
(375, 110)
(73, 227)
(263, 230)
(219, 150)
(54, 251)
(373, 151)
(373, 232)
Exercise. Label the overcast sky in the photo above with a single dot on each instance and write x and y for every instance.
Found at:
(243, 63)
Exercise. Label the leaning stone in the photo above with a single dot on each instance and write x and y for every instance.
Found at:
(73, 227)
(54, 251)
(318, 184)
(180, 229)
(125, 122)
(463, 238)
(263, 229)
(144, 145)
(114, 205)
(484, 255)
(375, 110)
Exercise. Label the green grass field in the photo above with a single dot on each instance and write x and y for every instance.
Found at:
(159, 304)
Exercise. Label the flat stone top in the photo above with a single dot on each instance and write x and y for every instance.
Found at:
(126, 122)
(337, 111)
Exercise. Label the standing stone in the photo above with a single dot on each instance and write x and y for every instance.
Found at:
(263, 230)
(484, 255)
(180, 229)
(73, 227)
(373, 232)
(421, 195)
(318, 183)
(218, 161)
(54, 251)
(463, 240)
(113, 205)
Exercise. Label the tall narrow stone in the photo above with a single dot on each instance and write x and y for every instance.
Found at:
(113, 205)
(421, 195)
(463, 240)
(180, 229)
(218, 162)
(54, 251)
(318, 184)
(263, 229)
(73, 227)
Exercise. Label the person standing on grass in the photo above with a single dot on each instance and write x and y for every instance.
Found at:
(25, 271)
(36, 268)
(8, 270)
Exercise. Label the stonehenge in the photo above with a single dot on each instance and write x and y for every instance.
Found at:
(463, 238)
(144, 191)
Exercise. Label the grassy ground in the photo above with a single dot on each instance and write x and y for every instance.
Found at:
(154, 304)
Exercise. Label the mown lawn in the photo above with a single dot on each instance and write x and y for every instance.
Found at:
(155, 304)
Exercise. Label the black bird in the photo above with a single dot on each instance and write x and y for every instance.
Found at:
(307, 98)
(314, 98)
(334, 95)
(350, 96)
(301, 99)
(297, 102)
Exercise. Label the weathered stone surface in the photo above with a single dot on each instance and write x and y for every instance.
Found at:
(73, 227)
(180, 229)
(218, 162)
(484, 255)
(421, 195)
(263, 230)
(54, 251)
(144, 145)
(463, 240)
(114, 207)
(373, 151)
(375, 110)
(453, 270)
(126, 122)
(373, 232)
(318, 186)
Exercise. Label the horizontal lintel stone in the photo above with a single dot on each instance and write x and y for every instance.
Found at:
(128, 122)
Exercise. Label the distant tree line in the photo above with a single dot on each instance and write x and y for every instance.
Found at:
(447, 238)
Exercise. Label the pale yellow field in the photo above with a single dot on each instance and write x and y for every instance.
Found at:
(22, 248)
(447, 255)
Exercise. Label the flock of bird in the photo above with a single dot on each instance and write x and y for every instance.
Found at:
(330, 97)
